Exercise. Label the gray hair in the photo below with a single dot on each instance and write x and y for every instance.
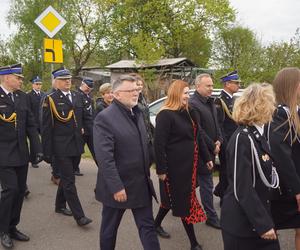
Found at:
(119, 81)
(199, 78)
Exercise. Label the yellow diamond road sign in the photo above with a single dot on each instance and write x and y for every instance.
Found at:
(50, 21)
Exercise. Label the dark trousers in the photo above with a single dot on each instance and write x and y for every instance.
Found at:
(206, 186)
(111, 218)
(232, 242)
(13, 186)
(223, 182)
(55, 169)
(66, 191)
(88, 139)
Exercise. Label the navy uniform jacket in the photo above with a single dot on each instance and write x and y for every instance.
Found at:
(121, 148)
(89, 104)
(205, 112)
(227, 125)
(249, 216)
(64, 138)
(34, 101)
(13, 139)
(286, 153)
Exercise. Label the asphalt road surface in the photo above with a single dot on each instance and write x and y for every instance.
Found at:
(51, 231)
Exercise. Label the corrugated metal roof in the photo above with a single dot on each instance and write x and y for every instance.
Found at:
(132, 64)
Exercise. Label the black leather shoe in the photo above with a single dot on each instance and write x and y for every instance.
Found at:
(77, 173)
(26, 194)
(198, 247)
(34, 165)
(17, 235)
(6, 241)
(162, 233)
(213, 223)
(64, 211)
(83, 221)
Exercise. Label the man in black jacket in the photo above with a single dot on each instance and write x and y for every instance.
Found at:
(16, 125)
(85, 89)
(224, 104)
(121, 148)
(35, 96)
(64, 113)
(206, 110)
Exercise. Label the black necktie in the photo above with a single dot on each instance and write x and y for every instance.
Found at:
(11, 97)
(69, 96)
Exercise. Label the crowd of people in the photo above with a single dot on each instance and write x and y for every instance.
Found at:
(255, 136)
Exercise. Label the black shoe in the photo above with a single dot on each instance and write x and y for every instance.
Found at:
(63, 211)
(17, 235)
(198, 247)
(213, 223)
(6, 241)
(77, 173)
(83, 221)
(26, 194)
(34, 165)
(162, 233)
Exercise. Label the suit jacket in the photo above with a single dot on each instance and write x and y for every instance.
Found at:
(286, 152)
(121, 149)
(227, 125)
(89, 103)
(34, 102)
(250, 215)
(13, 139)
(64, 138)
(206, 113)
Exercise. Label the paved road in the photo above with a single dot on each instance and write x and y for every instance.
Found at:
(51, 231)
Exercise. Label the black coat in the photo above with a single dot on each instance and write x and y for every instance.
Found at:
(174, 150)
(286, 153)
(89, 104)
(13, 140)
(227, 125)
(100, 105)
(206, 113)
(250, 215)
(34, 101)
(121, 149)
(64, 138)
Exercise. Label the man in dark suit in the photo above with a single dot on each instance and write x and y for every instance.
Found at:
(121, 148)
(35, 96)
(206, 110)
(16, 125)
(224, 104)
(64, 114)
(85, 89)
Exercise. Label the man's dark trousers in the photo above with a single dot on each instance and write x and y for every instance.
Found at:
(111, 218)
(13, 185)
(67, 191)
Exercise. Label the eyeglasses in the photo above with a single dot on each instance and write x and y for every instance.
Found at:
(130, 90)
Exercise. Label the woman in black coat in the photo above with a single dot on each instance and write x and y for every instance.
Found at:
(177, 152)
(246, 219)
(105, 99)
(285, 145)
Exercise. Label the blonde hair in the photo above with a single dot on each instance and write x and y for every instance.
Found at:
(104, 88)
(173, 101)
(255, 106)
(285, 85)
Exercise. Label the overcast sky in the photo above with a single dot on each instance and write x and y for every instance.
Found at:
(271, 20)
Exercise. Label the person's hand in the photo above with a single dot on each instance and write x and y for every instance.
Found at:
(120, 196)
(217, 149)
(218, 143)
(82, 131)
(162, 176)
(298, 201)
(270, 235)
(210, 165)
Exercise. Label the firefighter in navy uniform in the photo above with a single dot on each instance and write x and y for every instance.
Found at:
(35, 96)
(64, 116)
(85, 89)
(224, 104)
(16, 125)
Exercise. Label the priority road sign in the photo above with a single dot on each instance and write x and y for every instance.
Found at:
(50, 21)
(53, 52)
